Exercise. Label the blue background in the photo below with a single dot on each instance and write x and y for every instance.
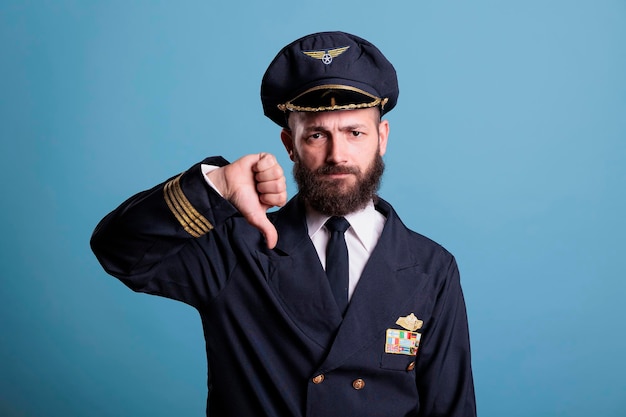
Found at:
(508, 146)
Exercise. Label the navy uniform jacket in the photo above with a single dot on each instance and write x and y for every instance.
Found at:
(276, 342)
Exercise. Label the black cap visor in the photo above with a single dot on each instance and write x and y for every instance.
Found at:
(330, 97)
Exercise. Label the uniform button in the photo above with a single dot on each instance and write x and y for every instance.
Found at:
(411, 366)
(318, 379)
(358, 384)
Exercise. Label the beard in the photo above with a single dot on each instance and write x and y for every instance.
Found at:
(333, 197)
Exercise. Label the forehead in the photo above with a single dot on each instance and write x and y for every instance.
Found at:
(360, 117)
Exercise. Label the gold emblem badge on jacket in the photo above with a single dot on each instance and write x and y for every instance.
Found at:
(407, 341)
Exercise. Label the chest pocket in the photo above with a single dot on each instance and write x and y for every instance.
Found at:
(396, 362)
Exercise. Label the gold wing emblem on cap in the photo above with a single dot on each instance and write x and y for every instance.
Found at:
(326, 56)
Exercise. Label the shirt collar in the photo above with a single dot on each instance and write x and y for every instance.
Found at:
(363, 224)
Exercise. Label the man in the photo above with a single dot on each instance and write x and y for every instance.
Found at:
(368, 320)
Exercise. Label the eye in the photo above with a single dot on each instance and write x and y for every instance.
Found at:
(317, 138)
(356, 133)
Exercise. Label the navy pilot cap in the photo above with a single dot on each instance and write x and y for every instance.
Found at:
(328, 71)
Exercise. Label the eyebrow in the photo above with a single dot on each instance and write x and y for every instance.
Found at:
(347, 128)
(355, 126)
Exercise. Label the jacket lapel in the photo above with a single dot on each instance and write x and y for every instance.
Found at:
(297, 277)
(384, 292)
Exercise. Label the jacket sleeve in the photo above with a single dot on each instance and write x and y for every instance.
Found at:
(444, 374)
(163, 241)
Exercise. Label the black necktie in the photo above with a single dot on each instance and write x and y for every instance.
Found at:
(337, 261)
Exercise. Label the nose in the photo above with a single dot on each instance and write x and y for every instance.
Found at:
(337, 150)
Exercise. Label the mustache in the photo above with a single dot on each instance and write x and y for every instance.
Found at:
(337, 169)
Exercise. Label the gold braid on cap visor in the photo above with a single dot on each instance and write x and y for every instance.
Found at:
(289, 106)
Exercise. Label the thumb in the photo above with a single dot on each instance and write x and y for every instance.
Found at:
(261, 222)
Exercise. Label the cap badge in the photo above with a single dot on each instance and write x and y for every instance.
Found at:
(326, 56)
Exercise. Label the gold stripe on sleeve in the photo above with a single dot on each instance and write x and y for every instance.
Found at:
(179, 213)
(193, 222)
(198, 218)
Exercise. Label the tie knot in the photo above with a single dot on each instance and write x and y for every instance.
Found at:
(337, 224)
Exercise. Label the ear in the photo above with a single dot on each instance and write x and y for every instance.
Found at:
(383, 135)
(287, 139)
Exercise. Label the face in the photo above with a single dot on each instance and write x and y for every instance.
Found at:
(337, 157)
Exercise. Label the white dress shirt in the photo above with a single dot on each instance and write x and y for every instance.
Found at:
(365, 228)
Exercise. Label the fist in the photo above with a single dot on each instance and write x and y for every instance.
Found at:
(254, 184)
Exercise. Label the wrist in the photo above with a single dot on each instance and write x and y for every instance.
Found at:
(216, 179)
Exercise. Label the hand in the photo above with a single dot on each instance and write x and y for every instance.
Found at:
(253, 184)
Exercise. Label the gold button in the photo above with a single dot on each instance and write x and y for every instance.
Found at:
(358, 384)
(318, 379)
(411, 366)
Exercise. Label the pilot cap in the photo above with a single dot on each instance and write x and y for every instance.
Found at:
(328, 71)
